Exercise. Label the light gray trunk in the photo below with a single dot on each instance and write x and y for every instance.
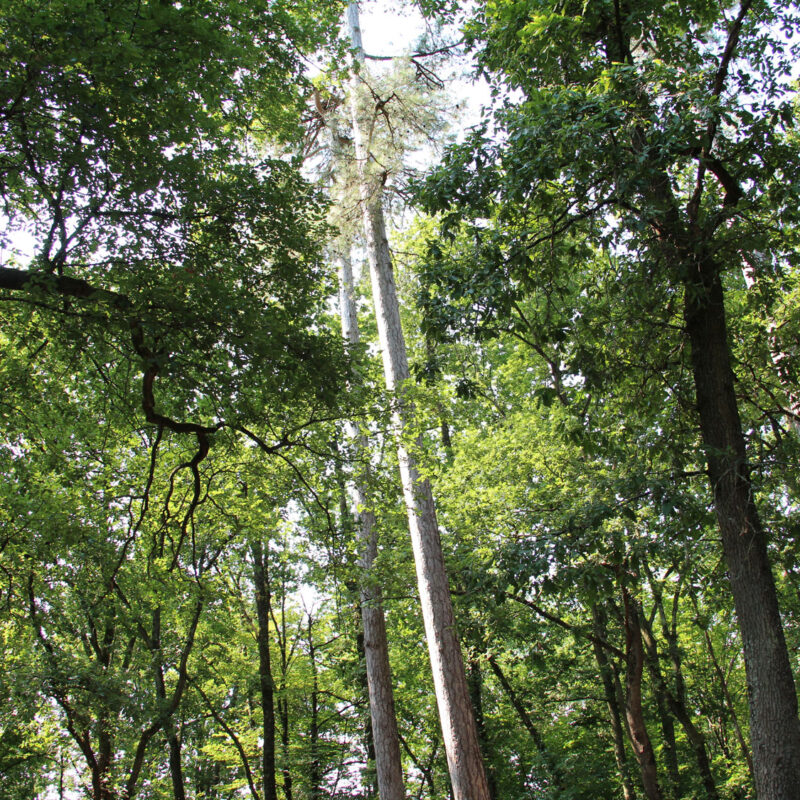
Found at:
(455, 709)
(388, 765)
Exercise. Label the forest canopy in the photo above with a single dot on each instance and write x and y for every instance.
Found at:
(417, 422)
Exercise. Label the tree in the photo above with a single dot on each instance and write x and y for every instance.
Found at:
(164, 308)
(458, 724)
(635, 129)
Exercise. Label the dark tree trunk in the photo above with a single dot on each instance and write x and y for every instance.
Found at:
(634, 714)
(315, 764)
(175, 766)
(669, 748)
(774, 725)
(475, 683)
(530, 725)
(677, 706)
(283, 701)
(614, 712)
(263, 600)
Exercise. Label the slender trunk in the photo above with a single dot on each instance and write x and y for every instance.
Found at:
(634, 714)
(315, 764)
(614, 713)
(385, 739)
(678, 707)
(283, 701)
(263, 600)
(731, 706)
(175, 766)
(455, 711)
(283, 710)
(370, 778)
(475, 682)
(774, 724)
(669, 748)
(530, 725)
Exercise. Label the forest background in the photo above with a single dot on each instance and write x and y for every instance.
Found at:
(206, 573)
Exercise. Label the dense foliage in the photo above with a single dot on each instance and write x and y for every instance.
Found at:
(181, 573)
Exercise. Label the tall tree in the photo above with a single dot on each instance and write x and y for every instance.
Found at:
(455, 710)
(388, 762)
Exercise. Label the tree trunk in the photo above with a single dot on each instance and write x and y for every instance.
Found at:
(774, 725)
(175, 766)
(669, 748)
(370, 778)
(388, 763)
(315, 763)
(530, 726)
(678, 708)
(455, 710)
(731, 706)
(263, 601)
(475, 683)
(283, 700)
(634, 657)
(614, 713)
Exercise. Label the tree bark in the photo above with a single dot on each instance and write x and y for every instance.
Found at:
(263, 599)
(385, 739)
(774, 724)
(634, 714)
(614, 713)
(455, 710)
(315, 763)
(687, 243)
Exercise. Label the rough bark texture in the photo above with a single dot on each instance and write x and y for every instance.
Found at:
(687, 238)
(455, 709)
(388, 763)
(774, 725)
(640, 739)
(266, 684)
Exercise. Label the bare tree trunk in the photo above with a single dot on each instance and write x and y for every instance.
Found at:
(634, 657)
(315, 763)
(530, 726)
(614, 713)
(388, 763)
(266, 685)
(455, 709)
(774, 724)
